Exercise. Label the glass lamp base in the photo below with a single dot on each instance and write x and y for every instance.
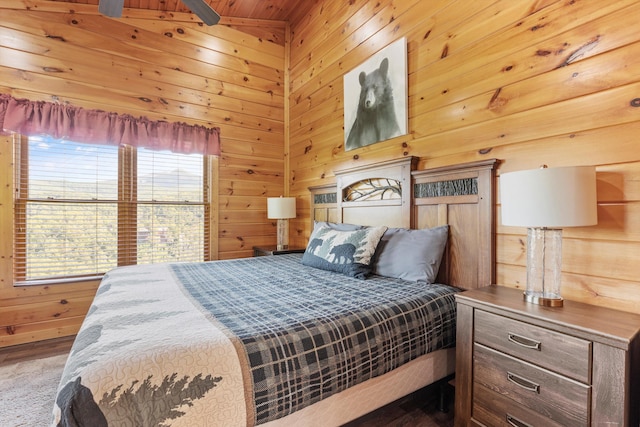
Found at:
(544, 261)
(283, 234)
(540, 300)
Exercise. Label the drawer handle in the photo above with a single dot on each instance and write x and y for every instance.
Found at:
(523, 382)
(525, 342)
(513, 421)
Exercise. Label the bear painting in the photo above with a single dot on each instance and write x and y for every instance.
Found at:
(376, 118)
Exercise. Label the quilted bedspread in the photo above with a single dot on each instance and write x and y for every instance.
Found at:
(240, 342)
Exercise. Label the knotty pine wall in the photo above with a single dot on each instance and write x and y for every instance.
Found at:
(231, 75)
(529, 82)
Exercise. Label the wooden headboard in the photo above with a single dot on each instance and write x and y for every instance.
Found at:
(394, 194)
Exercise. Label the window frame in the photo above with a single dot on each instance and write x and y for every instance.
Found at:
(126, 207)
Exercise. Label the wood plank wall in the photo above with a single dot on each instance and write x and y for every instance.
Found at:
(530, 82)
(231, 75)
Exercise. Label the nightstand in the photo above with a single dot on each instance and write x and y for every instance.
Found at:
(273, 250)
(521, 364)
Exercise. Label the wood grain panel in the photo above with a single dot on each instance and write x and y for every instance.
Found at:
(23, 295)
(560, 353)
(243, 203)
(222, 39)
(257, 25)
(560, 84)
(31, 332)
(527, 82)
(490, 408)
(464, 360)
(610, 384)
(45, 310)
(234, 229)
(242, 217)
(308, 41)
(243, 188)
(602, 291)
(125, 69)
(366, 35)
(243, 246)
(439, 25)
(610, 378)
(589, 257)
(448, 35)
(164, 68)
(562, 399)
(497, 56)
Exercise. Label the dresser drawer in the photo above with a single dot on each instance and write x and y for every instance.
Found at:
(561, 399)
(495, 410)
(559, 352)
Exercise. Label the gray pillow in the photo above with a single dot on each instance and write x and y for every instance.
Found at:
(337, 226)
(412, 255)
(346, 252)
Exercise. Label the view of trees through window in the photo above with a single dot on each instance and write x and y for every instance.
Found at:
(83, 209)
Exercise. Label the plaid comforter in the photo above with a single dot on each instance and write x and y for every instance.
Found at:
(307, 334)
(268, 337)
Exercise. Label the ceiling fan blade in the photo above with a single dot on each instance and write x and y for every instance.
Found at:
(203, 10)
(112, 8)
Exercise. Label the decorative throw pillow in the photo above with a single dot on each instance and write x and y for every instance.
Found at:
(412, 255)
(346, 252)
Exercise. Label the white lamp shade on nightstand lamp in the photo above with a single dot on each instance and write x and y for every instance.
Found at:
(546, 200)
(282, 208)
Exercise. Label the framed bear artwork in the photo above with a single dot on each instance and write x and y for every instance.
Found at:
(375, 98)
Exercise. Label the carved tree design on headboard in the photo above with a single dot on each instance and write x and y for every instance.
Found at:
(323, 198)
(453, 187)
(373, 189)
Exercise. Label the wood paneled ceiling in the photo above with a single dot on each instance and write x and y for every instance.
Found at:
(277, 10)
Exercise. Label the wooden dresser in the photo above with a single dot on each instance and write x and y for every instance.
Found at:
(524, 365)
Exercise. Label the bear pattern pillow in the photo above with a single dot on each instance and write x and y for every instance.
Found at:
(346, 252)
(412, 255)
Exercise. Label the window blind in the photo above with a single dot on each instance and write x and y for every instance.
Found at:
(170, 207)
(81, 210)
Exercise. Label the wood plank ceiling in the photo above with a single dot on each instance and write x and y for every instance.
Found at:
(276, 10)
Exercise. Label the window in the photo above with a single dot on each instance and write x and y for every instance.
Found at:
(83, 209)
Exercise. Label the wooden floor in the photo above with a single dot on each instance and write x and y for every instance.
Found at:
(420, 409)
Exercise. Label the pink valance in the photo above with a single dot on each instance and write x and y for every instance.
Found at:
(33, 118)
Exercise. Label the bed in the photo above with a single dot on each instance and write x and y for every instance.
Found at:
(319, 338)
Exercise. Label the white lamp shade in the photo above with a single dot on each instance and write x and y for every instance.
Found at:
(549, 197)
(281, 207)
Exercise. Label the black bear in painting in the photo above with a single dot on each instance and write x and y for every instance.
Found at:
(376, 115)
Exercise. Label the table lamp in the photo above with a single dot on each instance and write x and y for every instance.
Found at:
(282, 208)
(546, 200)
